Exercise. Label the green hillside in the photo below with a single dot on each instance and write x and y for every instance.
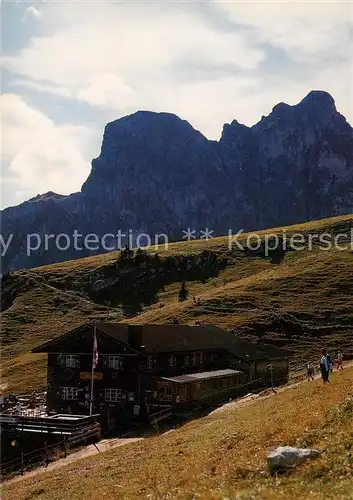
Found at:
(301, 299)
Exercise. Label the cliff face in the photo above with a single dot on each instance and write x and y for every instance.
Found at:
(156, 174)
(295, 164)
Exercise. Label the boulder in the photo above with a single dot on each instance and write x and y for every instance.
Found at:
(287, 457)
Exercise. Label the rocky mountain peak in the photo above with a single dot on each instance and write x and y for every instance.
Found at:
(315, 112)
(234, 130)
(156, 173)
(146, 123)
(281, 109)
(50, 195)
(318, 106)
(319, 99)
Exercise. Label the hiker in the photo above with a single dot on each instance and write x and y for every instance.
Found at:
(325, 366)
(18, 408)
(310, 371)
(339, 361)
(32, 401)
(330, 363)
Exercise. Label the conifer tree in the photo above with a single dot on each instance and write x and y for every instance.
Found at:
(183, 292)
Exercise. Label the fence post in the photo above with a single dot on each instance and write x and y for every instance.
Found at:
(65, 446)
(271, 368)
(22, 463)
(156, 425)
(46, 455)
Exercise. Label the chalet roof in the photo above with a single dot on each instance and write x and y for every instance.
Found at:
(155, 338)
(196, 377)
(169, 338)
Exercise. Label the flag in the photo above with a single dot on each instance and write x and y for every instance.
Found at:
(95, 352)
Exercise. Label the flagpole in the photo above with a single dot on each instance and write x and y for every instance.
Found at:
(92, 374)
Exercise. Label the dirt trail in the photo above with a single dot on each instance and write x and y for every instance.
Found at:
(108, 444)
(246, 400)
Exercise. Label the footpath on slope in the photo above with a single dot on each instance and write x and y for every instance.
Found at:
(266, 393)
(109, 444)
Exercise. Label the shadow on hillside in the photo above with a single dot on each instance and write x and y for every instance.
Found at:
(272, 250)
(134, 283)
(173, 422)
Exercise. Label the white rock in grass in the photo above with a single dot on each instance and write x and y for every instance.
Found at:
(286, 457)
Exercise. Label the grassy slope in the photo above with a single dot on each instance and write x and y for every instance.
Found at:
(223, 455)
(305, 301)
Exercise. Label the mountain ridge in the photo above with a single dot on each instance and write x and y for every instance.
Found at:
(155, 173)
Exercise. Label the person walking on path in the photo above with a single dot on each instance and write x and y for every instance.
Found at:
(310, 371)
(330, 363)
(325, 366)
(339, 361)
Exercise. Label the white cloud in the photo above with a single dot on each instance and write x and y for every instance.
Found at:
(32, 12)
(125, 56)
(112, 55)
(305, 30)
(106, 90)
(41, 155)
(42, 87)
(164, 56)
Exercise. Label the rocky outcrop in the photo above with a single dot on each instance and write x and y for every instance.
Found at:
(294, 165)
(157, 174)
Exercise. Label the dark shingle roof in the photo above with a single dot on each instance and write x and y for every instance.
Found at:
(154, 338)
(163, 338)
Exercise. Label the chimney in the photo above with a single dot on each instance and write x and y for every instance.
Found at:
(135, 336)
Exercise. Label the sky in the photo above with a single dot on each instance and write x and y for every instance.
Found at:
(70, 67)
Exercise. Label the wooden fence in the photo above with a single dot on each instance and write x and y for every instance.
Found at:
(33, 459)
(60, 434)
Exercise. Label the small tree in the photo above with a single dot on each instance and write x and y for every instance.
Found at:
(139, 256)
(183, 292)
(125, 255)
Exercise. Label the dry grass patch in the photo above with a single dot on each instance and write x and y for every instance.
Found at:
(223, 455)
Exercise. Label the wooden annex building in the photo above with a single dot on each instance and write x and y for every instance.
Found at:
(144, 369)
